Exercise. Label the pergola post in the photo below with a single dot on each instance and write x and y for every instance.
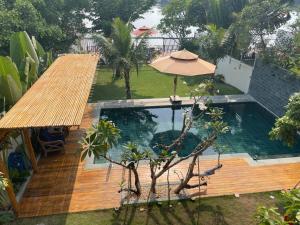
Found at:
(30, 149)
(9, 188)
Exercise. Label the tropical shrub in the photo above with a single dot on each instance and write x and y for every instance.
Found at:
(23, 54)
(10, 83)
(289, 212)
(19, 71)
(286, 128)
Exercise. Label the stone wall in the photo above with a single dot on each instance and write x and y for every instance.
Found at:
(272, 86)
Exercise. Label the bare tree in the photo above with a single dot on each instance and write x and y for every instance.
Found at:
(168, 157)
(101, 137)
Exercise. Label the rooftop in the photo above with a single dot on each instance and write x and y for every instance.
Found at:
(58, 97)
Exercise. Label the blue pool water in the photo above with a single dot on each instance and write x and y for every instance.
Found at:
(249, 127)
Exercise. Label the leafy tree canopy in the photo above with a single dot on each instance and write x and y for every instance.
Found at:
(56, 23)
(180, 15)
(104, 11)
(286, 127)
(222, 12)
(211, 44)
(263, 17)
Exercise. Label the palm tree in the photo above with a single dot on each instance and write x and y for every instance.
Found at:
(121, 52)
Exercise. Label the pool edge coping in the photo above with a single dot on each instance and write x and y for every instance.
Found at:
(156, 102)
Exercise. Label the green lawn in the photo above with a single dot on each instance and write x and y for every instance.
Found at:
(148, 84)
(226, 210)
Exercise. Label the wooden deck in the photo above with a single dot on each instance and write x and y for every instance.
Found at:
(63, 185)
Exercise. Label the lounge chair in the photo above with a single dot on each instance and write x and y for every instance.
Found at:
(51, 142)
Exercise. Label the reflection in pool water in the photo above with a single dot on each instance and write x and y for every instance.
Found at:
(148, 127)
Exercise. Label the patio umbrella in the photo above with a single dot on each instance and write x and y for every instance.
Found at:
(183, 63)
(144, 30)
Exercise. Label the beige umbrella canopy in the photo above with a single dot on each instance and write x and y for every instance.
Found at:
(183, 63)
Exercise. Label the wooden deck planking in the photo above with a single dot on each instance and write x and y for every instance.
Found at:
(64, 185)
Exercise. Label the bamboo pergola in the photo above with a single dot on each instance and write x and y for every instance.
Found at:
(57, 98)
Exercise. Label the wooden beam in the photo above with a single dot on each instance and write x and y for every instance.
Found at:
(9, 189)
(30, 149)
(3, 135)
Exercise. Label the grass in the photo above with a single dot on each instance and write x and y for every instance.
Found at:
(148, 84)
(226, 210)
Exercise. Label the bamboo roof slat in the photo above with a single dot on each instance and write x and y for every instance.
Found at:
(58, 97)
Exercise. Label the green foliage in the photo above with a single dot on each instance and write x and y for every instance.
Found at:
(25, 57)
(55, 23)
(45, 58)
(219, 78)
(196, 14)
(103, 12)
(99, 139)
(180, 15)
(6, 218)
(18, 73)
(285, 51)
(219, 14)
(269, 216)
(216, 124)
(10, 84)
(131, 154)
(211, 44)
(263, 17)
(287, 126)
(222, 13)
(121, 52)
(191, 45)
(290, 213)
(207, 87)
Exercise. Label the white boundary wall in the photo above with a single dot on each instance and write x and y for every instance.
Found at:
(236, 73)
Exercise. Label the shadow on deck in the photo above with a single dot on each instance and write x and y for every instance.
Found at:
(62, 184)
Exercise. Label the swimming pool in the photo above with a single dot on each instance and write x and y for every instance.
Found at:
(249, 122)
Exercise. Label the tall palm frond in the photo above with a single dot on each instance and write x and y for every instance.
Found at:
(121, 52)
(139, 52)
(121, 37)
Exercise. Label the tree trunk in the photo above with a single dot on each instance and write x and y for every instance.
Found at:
(117, 72)
(264, 46)
(137, 182)
(153, 185)
(127, 84)
(188, 176)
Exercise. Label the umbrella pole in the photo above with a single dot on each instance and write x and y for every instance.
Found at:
(173, 118)
(175, 86)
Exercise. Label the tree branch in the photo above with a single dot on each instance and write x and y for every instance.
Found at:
(208, 172)
(191, 186)
(197, 151)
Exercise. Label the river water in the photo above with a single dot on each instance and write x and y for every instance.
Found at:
(151, 18)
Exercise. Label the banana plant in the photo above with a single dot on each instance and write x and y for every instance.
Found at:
(44, 57)
(25, 57)
(10, 84)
